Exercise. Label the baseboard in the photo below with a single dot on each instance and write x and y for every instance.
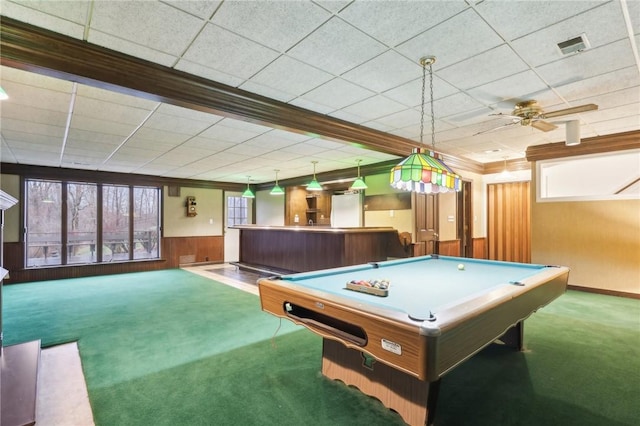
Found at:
(603, 291)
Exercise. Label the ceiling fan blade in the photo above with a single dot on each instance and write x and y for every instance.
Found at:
(545, 126)
(501, 115)
(496, 128)
(567, 111)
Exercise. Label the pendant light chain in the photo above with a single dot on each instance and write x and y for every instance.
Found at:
(433, 118)
(424, 77)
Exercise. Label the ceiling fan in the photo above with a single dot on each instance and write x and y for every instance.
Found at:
(529, 113)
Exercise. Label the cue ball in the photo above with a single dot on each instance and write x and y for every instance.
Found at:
(461, 267)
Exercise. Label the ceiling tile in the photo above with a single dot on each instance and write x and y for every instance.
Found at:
(63, 17)
(203, 9)
(166, 29)
(319, 48)
(384, 72)
(600, 84)
(588, 64)
(541, 47)
(449, 44)
(217, 48)
(300, 77)
(491, 65)
(338, 93)
(507, 17)
(374, 107)
(275, 24)
(410, 94)
(393, 22)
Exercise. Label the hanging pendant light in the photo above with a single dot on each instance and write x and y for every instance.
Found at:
(277, 189)
(424, 171)
(314, 185)
(247, 192)
(358, 184)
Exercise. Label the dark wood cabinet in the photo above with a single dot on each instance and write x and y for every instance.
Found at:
(308, 208)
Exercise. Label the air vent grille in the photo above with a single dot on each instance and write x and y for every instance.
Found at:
(576, 44)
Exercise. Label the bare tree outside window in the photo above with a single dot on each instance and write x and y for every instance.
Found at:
(115, 223)
(63, 225)
(82, 231)
(44, 228)
(146, 223)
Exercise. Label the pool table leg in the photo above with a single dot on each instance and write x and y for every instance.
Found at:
(514, 336)
(432, 401)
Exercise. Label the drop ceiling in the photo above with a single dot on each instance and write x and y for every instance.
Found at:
(356, 61)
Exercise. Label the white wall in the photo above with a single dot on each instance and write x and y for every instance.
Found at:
(269, 209)
(210, 208)
(11, 185)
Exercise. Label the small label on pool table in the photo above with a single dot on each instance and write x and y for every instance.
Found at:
(390, 346)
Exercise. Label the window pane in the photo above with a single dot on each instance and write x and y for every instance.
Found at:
(81, 223)
(146, 223)
(44, 233)
(115, 223)
(237, 211)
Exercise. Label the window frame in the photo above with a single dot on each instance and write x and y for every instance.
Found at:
(131, 243)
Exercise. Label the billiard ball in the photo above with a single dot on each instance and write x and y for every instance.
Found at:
(460, 267)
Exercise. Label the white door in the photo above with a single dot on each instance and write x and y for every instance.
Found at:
(237, 211)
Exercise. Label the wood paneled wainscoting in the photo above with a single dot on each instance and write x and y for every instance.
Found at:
(479, 247)
(176, 251)
(449, 248)
(509, 217)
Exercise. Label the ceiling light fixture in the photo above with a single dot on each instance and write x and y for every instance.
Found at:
(277, 189)
(314, 185)
(247, 192)
(3, 94)
(424, 171)
(358, 184)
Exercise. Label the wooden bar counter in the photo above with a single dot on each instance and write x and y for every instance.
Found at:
(309, 248)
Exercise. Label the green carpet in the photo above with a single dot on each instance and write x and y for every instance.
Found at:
(174, 348)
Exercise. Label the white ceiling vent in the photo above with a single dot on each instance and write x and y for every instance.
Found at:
(576, 44)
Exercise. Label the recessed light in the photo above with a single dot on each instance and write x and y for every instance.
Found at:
(492, 151)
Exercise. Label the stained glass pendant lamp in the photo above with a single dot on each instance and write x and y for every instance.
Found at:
(358, 184)
(277, 189)
(247, 192)
(314, 185)
(424, 171)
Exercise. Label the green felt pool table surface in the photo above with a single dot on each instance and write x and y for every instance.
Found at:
(420, 286)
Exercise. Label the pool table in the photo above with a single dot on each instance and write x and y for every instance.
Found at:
(396, 343)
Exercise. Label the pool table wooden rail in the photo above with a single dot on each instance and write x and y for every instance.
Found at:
(468, 327)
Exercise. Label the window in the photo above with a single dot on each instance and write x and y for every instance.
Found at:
(237, 211)
(82, 235)
(612, 176)
(44, 223)
(79, 223)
